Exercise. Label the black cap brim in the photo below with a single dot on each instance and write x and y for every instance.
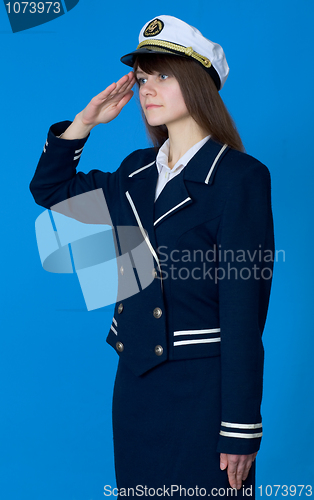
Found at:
(129, 59)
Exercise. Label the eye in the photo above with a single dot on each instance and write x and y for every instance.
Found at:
(163, 76)
(141, 81)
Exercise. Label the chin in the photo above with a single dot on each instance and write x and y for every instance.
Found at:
(155, 123)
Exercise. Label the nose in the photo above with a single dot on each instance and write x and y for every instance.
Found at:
(149, 88)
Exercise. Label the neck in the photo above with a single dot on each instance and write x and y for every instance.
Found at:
(182, 136)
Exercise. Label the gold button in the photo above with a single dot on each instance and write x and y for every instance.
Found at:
(207, 63)
(119, 346)
(157, 312)
(121, 270)
(154, 273)
(120, 308)
(159, 350)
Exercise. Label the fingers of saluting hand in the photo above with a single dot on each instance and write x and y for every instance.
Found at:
(106, 106)
(125, 83)
(238, 467)
(125, 99)
(117, 89)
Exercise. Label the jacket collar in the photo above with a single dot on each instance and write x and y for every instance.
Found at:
(203, 165)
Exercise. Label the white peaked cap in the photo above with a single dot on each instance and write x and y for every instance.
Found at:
(169, 35)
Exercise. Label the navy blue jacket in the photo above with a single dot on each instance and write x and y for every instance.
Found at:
(213, 224)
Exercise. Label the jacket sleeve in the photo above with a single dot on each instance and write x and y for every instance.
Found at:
(246, 251)
(56, 180)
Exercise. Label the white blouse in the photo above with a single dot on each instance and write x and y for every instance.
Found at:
(166, 173)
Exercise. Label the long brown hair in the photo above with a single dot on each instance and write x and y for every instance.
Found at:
(201, 98)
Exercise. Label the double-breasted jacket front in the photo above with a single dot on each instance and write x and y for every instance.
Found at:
(210, 235)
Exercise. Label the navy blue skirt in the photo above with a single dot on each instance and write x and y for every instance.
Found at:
(166, 425)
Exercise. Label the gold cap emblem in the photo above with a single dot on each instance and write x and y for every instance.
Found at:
(154, 28)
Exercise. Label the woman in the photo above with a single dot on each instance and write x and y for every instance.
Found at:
(186, 406)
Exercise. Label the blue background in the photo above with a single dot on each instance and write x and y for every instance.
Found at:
(56, 370)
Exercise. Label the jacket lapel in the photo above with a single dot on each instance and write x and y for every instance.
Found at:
(141, 197)
(172, 198)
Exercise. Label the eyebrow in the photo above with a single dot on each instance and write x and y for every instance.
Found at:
(139, 72)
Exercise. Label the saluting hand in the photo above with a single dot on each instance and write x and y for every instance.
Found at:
(103, 108)
(106, 106)
(238, 467)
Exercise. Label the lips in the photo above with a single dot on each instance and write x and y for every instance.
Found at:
(148, 106)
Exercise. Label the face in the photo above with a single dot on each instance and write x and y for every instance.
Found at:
(161, 99)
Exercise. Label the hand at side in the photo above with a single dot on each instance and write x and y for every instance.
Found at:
(238, 467)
